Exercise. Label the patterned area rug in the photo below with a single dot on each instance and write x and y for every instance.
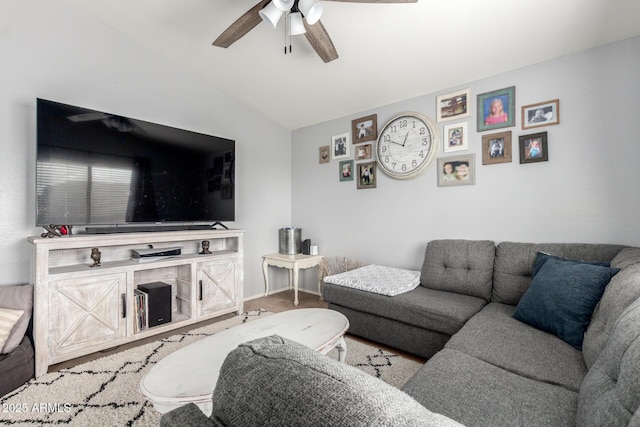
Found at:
(104, 392)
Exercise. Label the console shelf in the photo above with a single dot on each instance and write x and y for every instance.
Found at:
(80, 308)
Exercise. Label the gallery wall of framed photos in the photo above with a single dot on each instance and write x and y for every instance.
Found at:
(496, 111)
(496, 114)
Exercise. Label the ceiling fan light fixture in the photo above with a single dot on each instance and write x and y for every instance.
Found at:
(283, 5)
(296, 26)
(270, 14)
(311, 10)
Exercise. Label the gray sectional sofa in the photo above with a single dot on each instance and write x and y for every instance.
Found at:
(504, 349)
(485, 367)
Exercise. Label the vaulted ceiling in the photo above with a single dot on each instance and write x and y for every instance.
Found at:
(387, 52)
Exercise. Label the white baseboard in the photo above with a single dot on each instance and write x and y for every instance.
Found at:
(275, 291)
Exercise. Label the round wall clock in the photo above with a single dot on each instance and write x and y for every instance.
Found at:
(407, 145)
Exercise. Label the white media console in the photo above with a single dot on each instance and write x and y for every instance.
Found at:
(80, 308)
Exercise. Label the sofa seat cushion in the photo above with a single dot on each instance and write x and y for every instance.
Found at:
(514, 264)
(610, 393)
(461, 266)
(273, 381)
(477, 393)
(439, 311)
(17, 367)
(494, 336)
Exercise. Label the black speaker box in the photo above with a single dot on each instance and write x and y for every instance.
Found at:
(159, 302)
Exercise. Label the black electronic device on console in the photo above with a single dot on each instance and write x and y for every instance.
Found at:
(155, 253)
(159, 302)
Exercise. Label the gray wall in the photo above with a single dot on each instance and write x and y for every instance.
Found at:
(50, 50)
(588, 191)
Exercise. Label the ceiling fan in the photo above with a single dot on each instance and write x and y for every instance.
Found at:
(119, 123)
(271, 10)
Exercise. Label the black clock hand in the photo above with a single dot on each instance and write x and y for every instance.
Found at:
(405, 138)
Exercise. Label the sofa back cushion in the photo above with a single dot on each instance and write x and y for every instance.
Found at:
(273, 381)
(610, 392)
(623, 289)
(460, 266)
(514, 264)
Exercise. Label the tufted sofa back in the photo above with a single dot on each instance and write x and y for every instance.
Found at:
(514, 264)
(460, 266)
(610, 392)
(623, 289)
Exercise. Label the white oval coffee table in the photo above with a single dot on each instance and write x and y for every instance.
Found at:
(191, 373)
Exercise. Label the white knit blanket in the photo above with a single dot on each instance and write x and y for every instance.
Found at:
(378, 279)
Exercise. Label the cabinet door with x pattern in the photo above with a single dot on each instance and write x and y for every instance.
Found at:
(217, 286)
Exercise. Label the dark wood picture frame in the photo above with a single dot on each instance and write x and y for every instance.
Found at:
(364, 129)
(364, 152)
(496, 148)
(534, 148)
(367, 175)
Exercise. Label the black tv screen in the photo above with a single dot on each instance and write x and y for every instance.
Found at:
(97, 168)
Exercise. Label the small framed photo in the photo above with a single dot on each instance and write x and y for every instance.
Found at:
(534, 148)
(218, 165)
(363, 152)
(457, 170)
(367, 175)
(496, 148)
(541, 114)
(497, 109)
(456, 137)
(365, 129)
(346, 170)
(340, 146)
(324, 154)
(227, 192)
(454, 105)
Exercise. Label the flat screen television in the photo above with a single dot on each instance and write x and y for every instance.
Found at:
(105, 170)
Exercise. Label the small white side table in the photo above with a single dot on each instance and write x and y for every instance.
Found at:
(293, 263)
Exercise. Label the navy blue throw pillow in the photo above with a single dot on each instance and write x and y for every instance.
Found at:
(542, 257)
(562, 297)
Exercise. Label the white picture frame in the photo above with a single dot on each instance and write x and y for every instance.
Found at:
(453, 105)
(340, 146)
(455, 137)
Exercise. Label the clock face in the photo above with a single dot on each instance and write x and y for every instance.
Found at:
(407, 145)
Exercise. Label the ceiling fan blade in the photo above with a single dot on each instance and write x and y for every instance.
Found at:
(376, 1)
(320, 41)
(88, 117)
(242, 26)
